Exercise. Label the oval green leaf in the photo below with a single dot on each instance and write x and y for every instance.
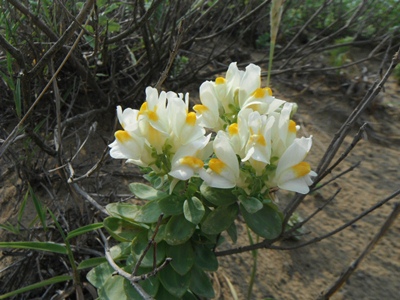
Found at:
(173, 282)
(148, 213)
(122, 230)
(193, 210)
(140, 244)
(205, 258)
(251, 204)
(172, 205)
(98, 276)
(145, 192)
(123, 210)
(266, 222)
(178, 230)
(217, 196)
(182, 257)
(219, 219)
(201, 284)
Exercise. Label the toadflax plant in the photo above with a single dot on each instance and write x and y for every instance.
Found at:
(206, 167)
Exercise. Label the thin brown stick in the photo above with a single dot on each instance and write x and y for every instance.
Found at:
(353, 266)
(132, 279)
(268, 244)
(17, 128)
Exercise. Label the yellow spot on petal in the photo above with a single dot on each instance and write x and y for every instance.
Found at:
(258, 139)
(191, 119)
(262, 92)
(216, 165)
(122, 136)
(292, 126)
(152, 115)
(191, 161)
(233, 129)
(154, 137)
(220, 80)
(200, 108)
(143, 108)
(301, 169)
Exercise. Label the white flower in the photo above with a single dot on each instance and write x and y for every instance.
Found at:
(184, 126)
(223, 99)
(284, 130)
(223, 171)
(153, 118)
(292, 172)
(188, 160)
(258, 144)
(127, 145)
(208, 111)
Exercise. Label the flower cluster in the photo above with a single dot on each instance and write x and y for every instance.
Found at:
(254, 139)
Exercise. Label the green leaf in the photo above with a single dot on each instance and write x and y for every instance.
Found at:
(125, 211)
(148, 213)
(178, 230)
(34, 286)
(99, 275)
(145, 192)
(84, 229)
(91, 262)
(193, 210)
(38, 246)
(219, 219)
(174, 283)
(140, 244)
(232, 232)
(163, 294)
(251, 204)
(217, 196)
(182, 257)
(122, 230)
(189, 296)
(41, 212)
(151, 284)
(115, 287)
(205, 258)
(172, 205)
(121, 251)
(266, 222)
(201, 284)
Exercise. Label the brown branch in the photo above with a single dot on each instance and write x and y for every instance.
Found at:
(171, 59)
(268, 244)
(16, 53)
(138, 25)
(354, 142)
(353, 266)
(64, 38)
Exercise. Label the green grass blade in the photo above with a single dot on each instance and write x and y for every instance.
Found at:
(39, 208)
(39, 246)
(9, 227)
(84, 229)
(91, 263)
(34, 286)
(17, 98)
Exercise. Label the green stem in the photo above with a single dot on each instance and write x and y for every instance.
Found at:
(254, 253)
(75, 272)
(271, 57)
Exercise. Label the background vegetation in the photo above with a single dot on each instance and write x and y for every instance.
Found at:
(65, 65)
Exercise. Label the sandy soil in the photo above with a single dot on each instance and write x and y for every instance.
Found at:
(304, 273)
